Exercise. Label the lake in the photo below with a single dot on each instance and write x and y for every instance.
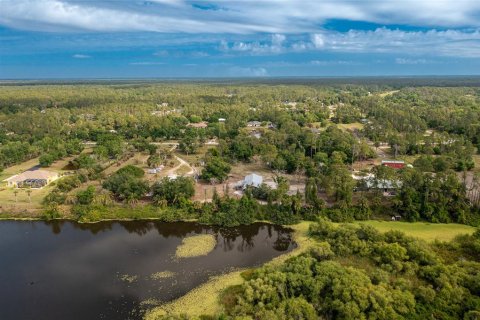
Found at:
(110, 270)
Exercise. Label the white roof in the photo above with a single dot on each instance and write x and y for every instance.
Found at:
(253, 180)
(33, 174)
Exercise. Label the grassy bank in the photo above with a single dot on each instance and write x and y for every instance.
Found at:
(423, 230)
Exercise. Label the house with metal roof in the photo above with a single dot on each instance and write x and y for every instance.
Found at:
(396, 164)
(252, 180)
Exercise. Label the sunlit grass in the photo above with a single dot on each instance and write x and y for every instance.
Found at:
(423, 230)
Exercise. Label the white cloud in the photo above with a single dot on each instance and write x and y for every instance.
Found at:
(453, 43)
(410, 61)
(275, 45)
(331, 62)
(247, 72)
(317, 40)
(440, 43)
(235, 16)
(81, 56)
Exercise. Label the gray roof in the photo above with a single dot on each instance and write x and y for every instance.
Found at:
(382, 184)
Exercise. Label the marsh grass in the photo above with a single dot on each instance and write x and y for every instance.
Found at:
(194, 246)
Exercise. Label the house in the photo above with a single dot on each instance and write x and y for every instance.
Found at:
(385, 185)
(252, 180)
(396, 164)
(32, 179)
(199, 125)
(367, 181)
(254, 124)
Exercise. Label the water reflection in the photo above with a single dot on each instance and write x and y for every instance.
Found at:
(65, 270)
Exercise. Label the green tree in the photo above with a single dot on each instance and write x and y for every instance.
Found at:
(46, 160)
(85, 197)
(173, 190)
(215, 168)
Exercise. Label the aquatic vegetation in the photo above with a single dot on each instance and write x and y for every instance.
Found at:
(194, 246)
(128, 278)
(208, 293)
(162, 275)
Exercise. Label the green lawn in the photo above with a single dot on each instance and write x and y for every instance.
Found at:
(423, 230)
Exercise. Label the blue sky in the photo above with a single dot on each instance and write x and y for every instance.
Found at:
(238, 38)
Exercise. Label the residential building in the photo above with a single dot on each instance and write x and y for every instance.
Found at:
(32, 179)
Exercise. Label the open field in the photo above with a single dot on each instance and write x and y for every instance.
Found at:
(19, 168)
(388, 93)
(23, 201)
(423, 230)
(350, 126)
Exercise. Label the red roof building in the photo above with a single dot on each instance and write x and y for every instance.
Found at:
(394, 164)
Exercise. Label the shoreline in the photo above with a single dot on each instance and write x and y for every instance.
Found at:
(215, 286)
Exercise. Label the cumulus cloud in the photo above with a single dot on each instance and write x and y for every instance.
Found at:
(453, 43)
(236, 16)
(274, 45)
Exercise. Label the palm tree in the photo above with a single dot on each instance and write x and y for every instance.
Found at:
(15, 193)
(29, 192)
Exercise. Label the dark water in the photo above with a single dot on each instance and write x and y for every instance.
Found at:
(64, 270)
